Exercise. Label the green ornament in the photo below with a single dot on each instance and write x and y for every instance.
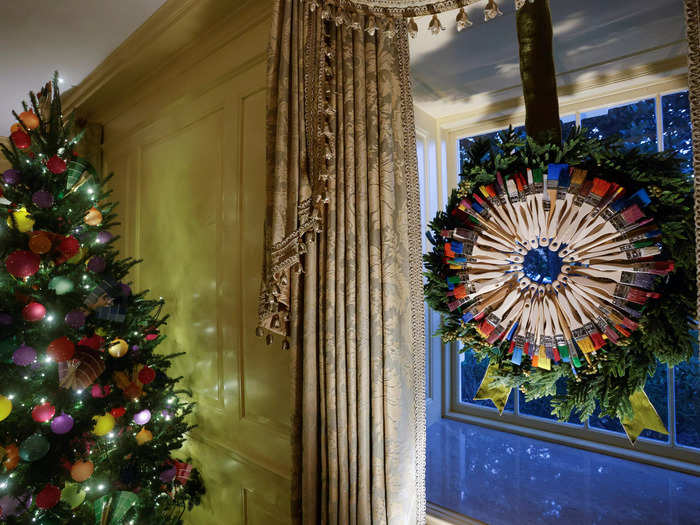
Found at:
(114, 509)
(61, 285)
(73, 494)
(34, 448)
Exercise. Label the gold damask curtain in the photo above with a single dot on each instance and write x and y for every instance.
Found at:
(344, 207)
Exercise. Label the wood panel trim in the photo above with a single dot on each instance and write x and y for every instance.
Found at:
(180, 26)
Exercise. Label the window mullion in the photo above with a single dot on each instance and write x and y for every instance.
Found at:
(659, 123)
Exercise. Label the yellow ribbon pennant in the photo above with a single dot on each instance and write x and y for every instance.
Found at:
(645, 416)
(488, 390)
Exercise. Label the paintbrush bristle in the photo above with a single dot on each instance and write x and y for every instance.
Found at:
(600, 187)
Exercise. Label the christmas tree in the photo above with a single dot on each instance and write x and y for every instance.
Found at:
(89, 418)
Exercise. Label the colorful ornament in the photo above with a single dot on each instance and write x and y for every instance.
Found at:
(144, 436)
(97, 264)
(93, 217)
(62, 424)
(78, 256)
(20, 139)
(75, 319)
(48, 497)
(34, 448)
(24, 356)
(61, 285)
(12, 506)
(104, 237)
(147, 375)
(168, 475)
(61, 349)
(82, 470)
(142, 417)
(73, 494)
(43, 412)
(22, 264)
(152, 336)
(40, 242)
(68, 247)
(42, 199)
(56, 165)
(118, 412)
(29, 119)
(21, 220)
(12, 459)
(118, 348)
(5, 407)
(33, 312)
(103, 424)
(184, 470)
(11, 176)
(94, 341)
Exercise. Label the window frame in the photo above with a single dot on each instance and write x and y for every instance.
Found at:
(667, 455)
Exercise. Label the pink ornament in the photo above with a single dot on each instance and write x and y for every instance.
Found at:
(62, 424)
(33, 312)
(96, 391)
(24, 356)
(143, 417)
(43, 413)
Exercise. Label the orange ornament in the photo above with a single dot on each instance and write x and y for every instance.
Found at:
(29, 119)
(144, 436)
(82, 470)
(40, 243)
(15, 127)
(93, 217)
(12, 459)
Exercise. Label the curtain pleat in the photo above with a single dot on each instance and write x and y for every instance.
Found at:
(342, 132)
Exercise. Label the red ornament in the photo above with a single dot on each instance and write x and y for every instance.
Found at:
(33, 312)
(68, 247)
(152, 336)
(94, 341)
(43, 413)
(20, 139)
(118, 412)
(48, 497)
(61, 349)
(99, 392)
(22, 263)
(146, 375)
(56, 165)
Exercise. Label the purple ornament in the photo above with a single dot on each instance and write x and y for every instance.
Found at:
(43, 199)
(62, 424)
(11, 177)
(166, 414)
(126, 289)
(168, 475)
(24, 356)
(143, 417)
(5, 319)
(12, 506)
(104, 237)
(75, 319)
(97, 264)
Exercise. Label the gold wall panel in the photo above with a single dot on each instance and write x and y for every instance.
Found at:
(187, 146)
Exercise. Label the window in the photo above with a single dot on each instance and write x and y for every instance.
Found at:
(655, 123)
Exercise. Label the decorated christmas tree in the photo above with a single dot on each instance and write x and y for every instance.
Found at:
(89, 417)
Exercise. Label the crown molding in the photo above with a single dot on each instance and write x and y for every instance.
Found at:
(176, 26)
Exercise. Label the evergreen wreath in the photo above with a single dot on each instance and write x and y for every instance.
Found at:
(615, 372)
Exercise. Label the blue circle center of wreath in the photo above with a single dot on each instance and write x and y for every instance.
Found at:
(542, 265)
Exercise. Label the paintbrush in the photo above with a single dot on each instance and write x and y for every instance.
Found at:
(615, 290)
(483, 305)
(494, 318)
(576, 181)
(505, 326)
(620, 322)
(557, 185)
(635, 232)
(598, 189)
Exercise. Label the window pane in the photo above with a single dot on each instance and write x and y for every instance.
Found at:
(657, 389)
(542, 407)
(471, 372)
(687, 379)
(676, 118)
(634, 123)
(568, 124)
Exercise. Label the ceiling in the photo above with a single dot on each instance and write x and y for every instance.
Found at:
(454, 71)
(71, 36)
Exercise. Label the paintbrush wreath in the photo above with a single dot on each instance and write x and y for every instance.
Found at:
(552, 263)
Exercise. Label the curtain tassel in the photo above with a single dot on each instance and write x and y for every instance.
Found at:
(412, 28)
(491, 10)
(435, 25)
(463, 20)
